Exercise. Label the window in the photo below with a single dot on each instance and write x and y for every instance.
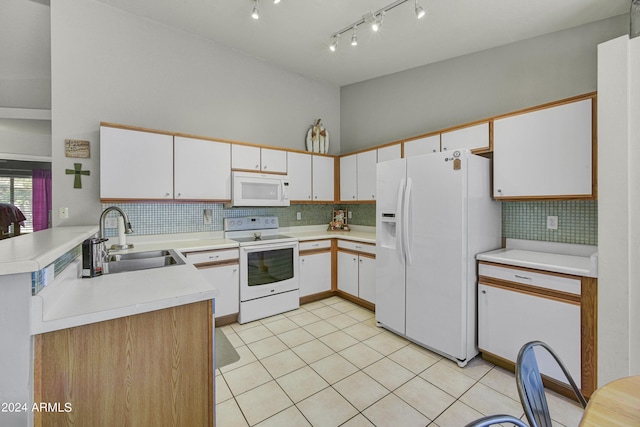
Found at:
(16, 190)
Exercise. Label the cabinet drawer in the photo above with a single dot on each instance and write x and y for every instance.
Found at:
(357, 246)
(212, 256)
(531, 277)
(313, 245)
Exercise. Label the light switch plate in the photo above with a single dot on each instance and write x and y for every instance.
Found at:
(111, 222)
(298, 216)
(208, 216)
(63, 213)
(552, 222)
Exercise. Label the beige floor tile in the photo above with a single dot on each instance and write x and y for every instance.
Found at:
(312, 351)
(237, 327)
(279, 326)
(235, 340)
(247, 377)
(325, 312)
(488, 401)
(425, 397)
(262, 402)
(342, 321)
(362, 332)
(289, 417)
(314, 305)
(327, 409)
(457, 415)
(305, 318)
(389, 373)
(412, 359)
(295, 337)
(302, 383)
(333, 368)
(386, 343)
(360, 390)
(443, 376)
(339, 340)
(360, 314)
(333, 300)
(358, 421)
(321, 328)
(373, 323)
(476, 368)
(267, 347)
(502, 381)
(361, 355)
(393, 411)
(246, 357)
(254, 334)
(222, 390)
(282, 363)
(228, 414)
(273, 318)
(344, 306)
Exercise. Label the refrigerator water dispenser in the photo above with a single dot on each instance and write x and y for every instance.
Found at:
(388, 230)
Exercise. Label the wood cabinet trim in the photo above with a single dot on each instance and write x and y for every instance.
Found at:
(532, 290)
(589, 335)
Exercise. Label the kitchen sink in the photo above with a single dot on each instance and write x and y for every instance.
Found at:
(119, 263)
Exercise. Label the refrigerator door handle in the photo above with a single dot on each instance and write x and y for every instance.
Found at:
(405, 222)
(399, 223)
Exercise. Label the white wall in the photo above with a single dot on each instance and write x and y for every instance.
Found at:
(108, 65)
(475, 86)
(618, 209)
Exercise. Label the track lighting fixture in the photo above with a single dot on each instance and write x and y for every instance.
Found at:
(354, 36)
(255, 13)
(374, 19)
(276, 1)
(419, 11)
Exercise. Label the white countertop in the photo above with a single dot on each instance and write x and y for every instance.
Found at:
(34, 251)
(73, 301)
(572, 261)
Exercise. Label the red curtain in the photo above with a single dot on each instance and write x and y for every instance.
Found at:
(41, 199)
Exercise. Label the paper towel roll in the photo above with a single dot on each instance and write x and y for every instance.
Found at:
(121, 236)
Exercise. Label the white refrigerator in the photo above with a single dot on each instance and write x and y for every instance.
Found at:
(434, 213)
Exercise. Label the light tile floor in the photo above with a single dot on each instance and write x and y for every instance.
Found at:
(327, 364)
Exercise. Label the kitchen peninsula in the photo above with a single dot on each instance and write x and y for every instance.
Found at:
(66, 332)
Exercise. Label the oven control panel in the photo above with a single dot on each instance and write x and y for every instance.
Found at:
(251, 223)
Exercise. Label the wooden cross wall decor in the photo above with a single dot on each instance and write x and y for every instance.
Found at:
(77, 181)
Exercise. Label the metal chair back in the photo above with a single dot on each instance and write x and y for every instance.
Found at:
(531, 388)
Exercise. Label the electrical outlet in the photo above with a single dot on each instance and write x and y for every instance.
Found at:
(552, 222)
(63, 213)
(208, 216)
(49, 274)
(350, 215)
(298, 216)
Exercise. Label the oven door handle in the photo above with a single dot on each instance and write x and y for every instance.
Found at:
(269, 247)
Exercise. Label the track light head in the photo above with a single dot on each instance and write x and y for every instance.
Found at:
(255, 13)
(276, 1)
(354, 36)
(419, 11)
(375, 26)
(334, 42)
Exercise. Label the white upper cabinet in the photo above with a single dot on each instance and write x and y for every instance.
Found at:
(418, 147)
(323, 174)
(274, 161)
(299, 167)
(348, 178)
(544, 153)
(366, 174)
(251, 158)
(472, 137)
(202, 169)
(135, 164)
(391, 152)
(245, 157)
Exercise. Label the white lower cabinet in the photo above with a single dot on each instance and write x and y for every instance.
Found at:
(509, 317)
(220, 268)
(315, 273)
(356, 270)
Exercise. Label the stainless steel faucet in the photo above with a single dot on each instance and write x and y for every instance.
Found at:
(127, 224)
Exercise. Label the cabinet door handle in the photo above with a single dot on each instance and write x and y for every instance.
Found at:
(522, 277)
(214, 256)
(257, 166)
(167, 194)
(316, 245)
(484, 292)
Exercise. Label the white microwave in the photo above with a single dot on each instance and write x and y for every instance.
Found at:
(259, 189)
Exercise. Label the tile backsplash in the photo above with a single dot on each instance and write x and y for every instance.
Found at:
(578, 219)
